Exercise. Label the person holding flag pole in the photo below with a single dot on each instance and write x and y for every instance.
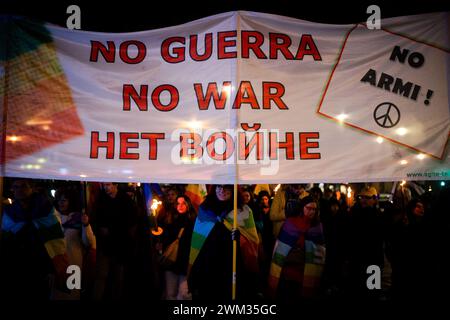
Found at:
(224, 242)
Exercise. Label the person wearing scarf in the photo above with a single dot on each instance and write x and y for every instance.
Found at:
(210, 258)
(299, 256)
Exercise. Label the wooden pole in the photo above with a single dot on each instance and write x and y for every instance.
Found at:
(233, 288)
(235, 124)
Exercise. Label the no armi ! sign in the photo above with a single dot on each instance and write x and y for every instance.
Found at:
(391, 86)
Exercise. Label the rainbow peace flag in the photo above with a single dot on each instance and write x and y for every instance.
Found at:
(249, 239)
(47, 225)
(311, 242)
(197, 193)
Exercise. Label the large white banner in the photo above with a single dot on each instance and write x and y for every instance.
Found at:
(237, 97)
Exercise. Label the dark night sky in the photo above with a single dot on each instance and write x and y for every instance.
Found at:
(112, 16)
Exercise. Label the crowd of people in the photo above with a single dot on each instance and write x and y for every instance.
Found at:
(297, 243)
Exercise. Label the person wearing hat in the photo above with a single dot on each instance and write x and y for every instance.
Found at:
(368, 197)
(365, 242)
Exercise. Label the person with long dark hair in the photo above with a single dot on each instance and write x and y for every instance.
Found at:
(180, 227)
(299, 255)
(211, 255)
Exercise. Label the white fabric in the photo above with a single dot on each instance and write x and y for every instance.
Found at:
(315, 98)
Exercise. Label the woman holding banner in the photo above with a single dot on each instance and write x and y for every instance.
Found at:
(211, 255)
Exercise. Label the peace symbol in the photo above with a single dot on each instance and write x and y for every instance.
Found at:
(386, 115)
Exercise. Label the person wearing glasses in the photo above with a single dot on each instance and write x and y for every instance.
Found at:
(299, 256)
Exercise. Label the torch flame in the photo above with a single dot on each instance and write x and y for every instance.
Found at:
(155, 204)
(156, 230)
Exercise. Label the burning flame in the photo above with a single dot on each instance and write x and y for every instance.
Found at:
(155, 205)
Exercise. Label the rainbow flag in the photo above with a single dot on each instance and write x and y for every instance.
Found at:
(44, 219)
(248, 241)
(40, 108)
(296, 231)
(197, 193)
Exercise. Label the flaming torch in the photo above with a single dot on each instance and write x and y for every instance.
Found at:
(156, 231)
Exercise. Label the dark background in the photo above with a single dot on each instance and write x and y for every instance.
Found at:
(131, 15)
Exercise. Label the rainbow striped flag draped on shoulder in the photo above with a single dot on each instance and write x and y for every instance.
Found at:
(248, 241)
(44, 219)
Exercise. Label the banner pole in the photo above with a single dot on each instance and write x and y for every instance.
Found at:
(233, 291)
(234, 121)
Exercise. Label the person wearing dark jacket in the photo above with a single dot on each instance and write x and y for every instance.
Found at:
(210, 259)
(114, 222)
(335, 231)
(365, 242)
(32, 246)
(415, 257)
(176, 287)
